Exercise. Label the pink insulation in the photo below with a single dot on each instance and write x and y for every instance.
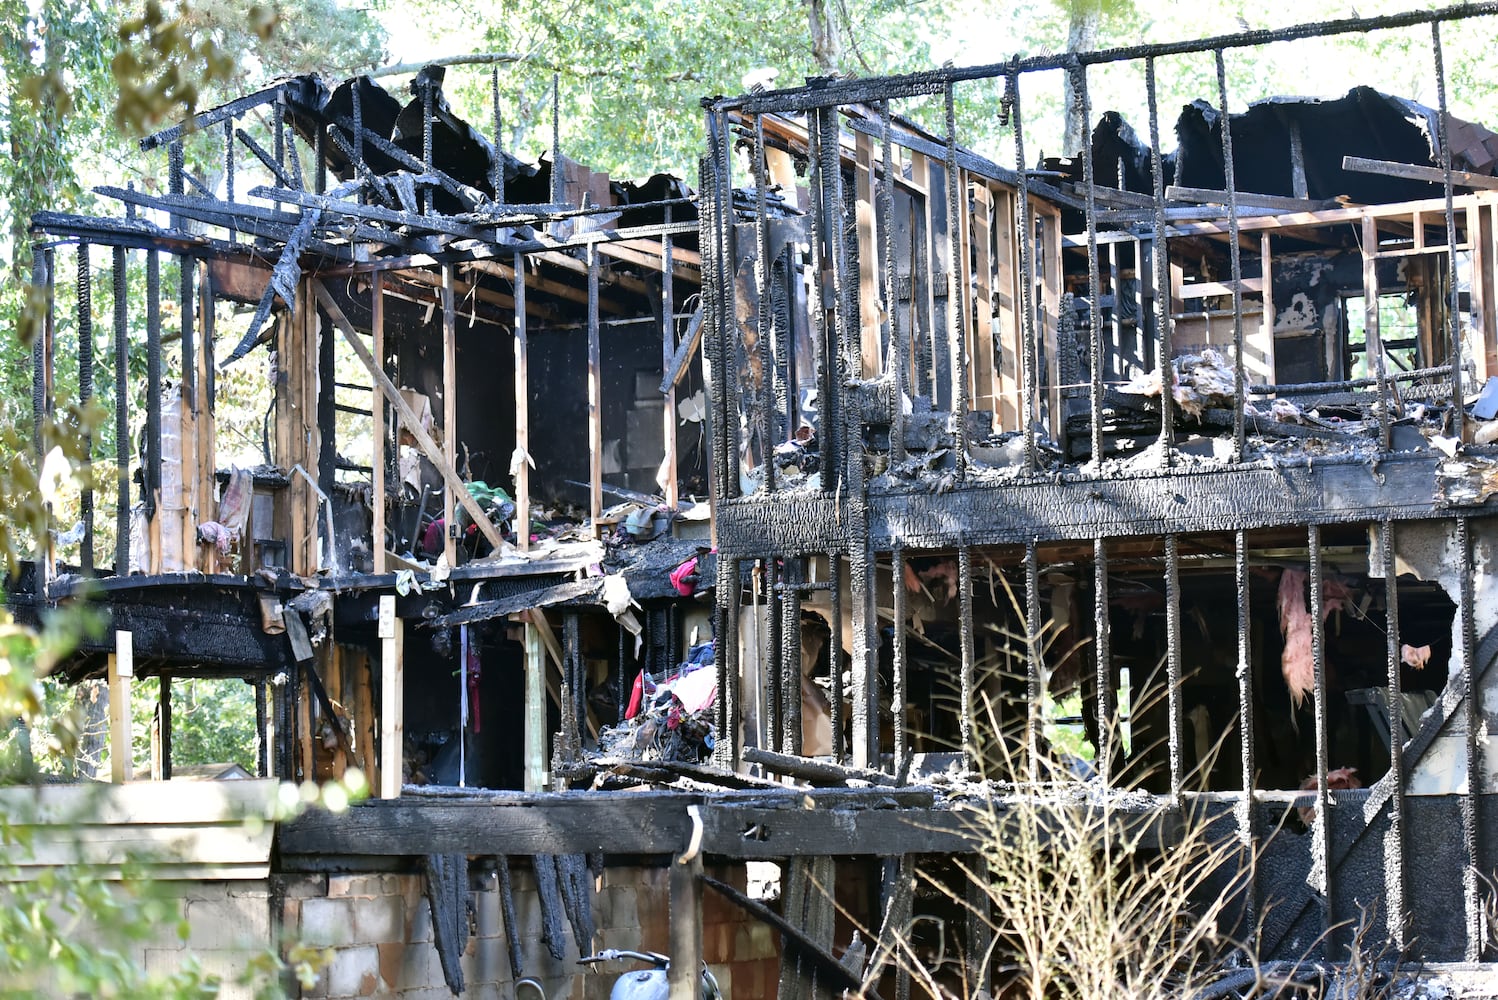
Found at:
(1296, 663)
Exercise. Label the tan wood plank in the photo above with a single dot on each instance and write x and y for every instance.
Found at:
(121, 671)
(870, 350)
(449, 413)
(377, 407)
(392, 698)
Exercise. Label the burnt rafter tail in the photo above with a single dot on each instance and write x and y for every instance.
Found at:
(212, 116)
(471, 196)
(1417, 172)
(793, 936)
(268, 161)
(284, 277)
(684, 352)
(249, 219)
(408, 416)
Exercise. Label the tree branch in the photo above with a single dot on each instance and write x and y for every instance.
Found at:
(474, 59)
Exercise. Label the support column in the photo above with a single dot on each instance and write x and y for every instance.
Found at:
(392, 698)
(121, 672)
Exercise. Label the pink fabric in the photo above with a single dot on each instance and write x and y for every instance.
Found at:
(679, 576)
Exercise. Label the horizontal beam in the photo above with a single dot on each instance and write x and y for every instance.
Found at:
(1418, 172)
(1332, 491)
(751, 824)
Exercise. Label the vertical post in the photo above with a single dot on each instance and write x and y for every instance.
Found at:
(153, 404)
(497, 165)
(1473, 724)
(522, 459)
(835, 652)
(790, 654)
(1245, 672)
(392, 698)
(1323, 826)
(535, 710)
(1160, 258)
(1025, 227)
(1453, 303)
(1373, 343)
(121, 418)
(1173, 660)
(265, 732)
(1266, 273)
(686, 928)
(671, 488)
(86, 393)
(595, 398)
(1398, 911)
(1235, 257)
(449, 412)
(897, 695)
(958, 292)
(764, 324)
(1102, 629)
(378, 410)
(967, 686)
(898, 351)
(121, 672)
(1034, 693)
(729, 715)
(1094, 290)
(164, 708)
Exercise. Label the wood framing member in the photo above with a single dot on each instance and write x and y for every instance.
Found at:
(595, 399)
(686, 927)
(121, 671)
(754, 823)
(377, 408)
(870, 349)
(1416, 172)
(449, 414)
(521, 460)
(407, 416)
(534, 739)
(392, 698)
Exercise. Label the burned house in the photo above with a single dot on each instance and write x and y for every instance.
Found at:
(775, 516)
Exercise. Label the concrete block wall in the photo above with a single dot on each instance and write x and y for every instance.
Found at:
(380, 931)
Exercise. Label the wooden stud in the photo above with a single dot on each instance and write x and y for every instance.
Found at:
(983, 374)
(686, 928)
(164, 741)
(377, 409)
(868, 257)
(522, 412)
(535, 710)
(449, 414)
(1266, 258)
(670, 487)
(595, 399)
(408, 416)
(1006, 288)
(392, 698)
(121, 671)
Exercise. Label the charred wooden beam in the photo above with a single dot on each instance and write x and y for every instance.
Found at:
(223, 112)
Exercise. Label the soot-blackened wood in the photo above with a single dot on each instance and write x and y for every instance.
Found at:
(814, 770)
(575, 882)
(826, 963)
(447, 895)
(622, 823)
(512, 926)
(1402, 487)
(553, 935)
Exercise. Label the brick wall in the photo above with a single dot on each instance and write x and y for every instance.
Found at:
(380, 930)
